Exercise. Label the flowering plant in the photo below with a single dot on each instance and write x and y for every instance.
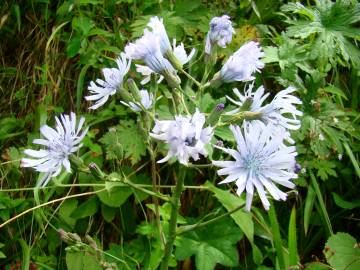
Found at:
(178, 131)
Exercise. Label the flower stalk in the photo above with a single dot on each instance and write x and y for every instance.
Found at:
(175, 205)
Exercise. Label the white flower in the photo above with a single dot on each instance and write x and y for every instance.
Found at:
(220, 33)
(158, 28)
(180, 53)
(146, 72)
(113, 79)
(59, 144)
(147, 100)
(280, 112)
(261, 160)
(243, 63)
(185, 136)
(147, 49)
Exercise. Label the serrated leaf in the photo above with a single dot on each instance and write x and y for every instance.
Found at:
(66, 208)
(317, 266)
(212, 244)
(115, 195)
(224, 133)
(342, 252)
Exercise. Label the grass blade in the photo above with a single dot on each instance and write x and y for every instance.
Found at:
(276, 236)
(309, 205)
(352, 158)
(321, 202)
(292, 239)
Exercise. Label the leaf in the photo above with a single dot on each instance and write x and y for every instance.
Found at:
(317, 266)
(345, 204)
(336, 91)
(86, 209)
(108, 212)
(342, 252)
(73, 46)
(242, 218)
(225, 134)
(292, 239)
(125, 141)
(212, 244)
(66, 208)
(82, 24)
(81, 261)
(309, 204)
(115, 196)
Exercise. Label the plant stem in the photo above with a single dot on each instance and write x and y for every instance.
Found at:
(198, 84)
(192, 227)
(175, 205)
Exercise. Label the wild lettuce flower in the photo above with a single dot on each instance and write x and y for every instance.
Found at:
(146, 72)
(261, 160)
(59, 144)
(185, 136)
(157, 27)
(180, 53)
(102, 90)
(146, 102)
(280, 112)
(242, 64)
(220, 33)
(148, 50)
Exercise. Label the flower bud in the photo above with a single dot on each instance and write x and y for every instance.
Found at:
(96, 171)
(134, 90)
(215, 114)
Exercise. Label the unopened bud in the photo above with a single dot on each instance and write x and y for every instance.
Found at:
(134, 90)
(173, 59)
(216, 80)
(172, 78)
(217, 152)
(247, 104)
(96, 171)
(215, 114)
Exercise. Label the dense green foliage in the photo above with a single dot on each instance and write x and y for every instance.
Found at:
(49, 52)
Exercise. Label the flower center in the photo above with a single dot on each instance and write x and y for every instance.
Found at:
(190, 141)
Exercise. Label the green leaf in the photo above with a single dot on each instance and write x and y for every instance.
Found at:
(242, 218)
(81, 261)
(342, 252)
(86, 209)
(66, 208)
(125, 141)
(212, 244)
(292, 239)
(108, 212)
(317, 266)
(115, 194)
(336, 91)
(2, 255)
(73, 46)
(309, 204)
(345, 204)
(82, 24)
(224, 133)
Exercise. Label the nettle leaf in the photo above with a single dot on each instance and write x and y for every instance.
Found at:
(81, 261)
(324, 168)
(125, 141)
(342, 252)
(86, 209)
(212, 244)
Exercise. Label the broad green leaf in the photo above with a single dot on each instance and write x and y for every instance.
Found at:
(82, 24)
(2, 255)
(108, 212)
(81, 261)
(86, 209)
(66, 208)
(336, 91)
(224, 133)
(317, 266)
(342, 252)
(73, 46)
(114, 196)
(345, 204)
(242, 218)
(212, 244)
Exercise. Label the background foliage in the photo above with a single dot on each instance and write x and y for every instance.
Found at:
(50, 50)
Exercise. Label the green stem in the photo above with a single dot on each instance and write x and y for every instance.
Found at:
(198, 84)
(188, 228)
(175, 205)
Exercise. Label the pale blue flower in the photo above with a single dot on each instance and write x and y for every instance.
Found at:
(243, 64)
(261, 160)
(157, 27)
(103, 89)
(59, 144)
(185, 136)
(146, 102)
(220, 33)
